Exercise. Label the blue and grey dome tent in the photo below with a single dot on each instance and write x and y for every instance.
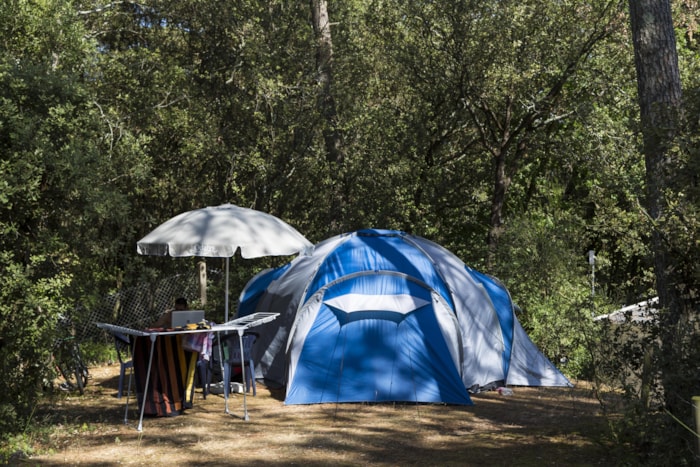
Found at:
(381, 315)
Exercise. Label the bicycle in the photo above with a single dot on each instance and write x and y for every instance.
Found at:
(68, 359)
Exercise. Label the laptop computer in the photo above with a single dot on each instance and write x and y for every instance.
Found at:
(183, 317)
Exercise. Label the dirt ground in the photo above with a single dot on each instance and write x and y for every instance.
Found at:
(534, 426)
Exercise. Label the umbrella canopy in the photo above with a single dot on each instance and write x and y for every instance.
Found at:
(219, 231)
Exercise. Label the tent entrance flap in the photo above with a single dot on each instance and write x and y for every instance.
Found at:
(372, 354)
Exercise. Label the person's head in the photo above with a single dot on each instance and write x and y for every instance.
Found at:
(181, 303)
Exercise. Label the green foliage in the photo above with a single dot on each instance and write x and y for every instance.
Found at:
(548, 281)
(631, 359)
(29, 304)
(47, 159)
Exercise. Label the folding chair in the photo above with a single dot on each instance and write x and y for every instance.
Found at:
(123, 346)
(233, 360)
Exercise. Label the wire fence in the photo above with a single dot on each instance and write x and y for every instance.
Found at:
(138, 306)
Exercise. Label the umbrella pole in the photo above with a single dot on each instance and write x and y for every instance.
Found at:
(226, 294)
(221, 359)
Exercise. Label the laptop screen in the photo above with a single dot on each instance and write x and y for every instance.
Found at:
(184, 317)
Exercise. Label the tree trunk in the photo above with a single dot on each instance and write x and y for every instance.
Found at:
(659, 88)
(326, 102)
(501, 184)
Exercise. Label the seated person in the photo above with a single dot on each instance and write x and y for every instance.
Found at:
(165, 319)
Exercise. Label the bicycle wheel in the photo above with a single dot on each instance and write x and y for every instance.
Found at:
(71, 368)
(81, 370)
(69, 376)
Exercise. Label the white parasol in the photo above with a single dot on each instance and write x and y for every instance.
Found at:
(219, 231)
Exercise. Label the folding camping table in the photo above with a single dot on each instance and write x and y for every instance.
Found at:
(239, 325)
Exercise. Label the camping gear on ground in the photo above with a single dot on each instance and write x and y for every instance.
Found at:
(381, 315)
(217, 232)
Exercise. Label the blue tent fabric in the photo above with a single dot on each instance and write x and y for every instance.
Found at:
(387, 252)
(256, 287)
(381, 315)
(375, 355)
